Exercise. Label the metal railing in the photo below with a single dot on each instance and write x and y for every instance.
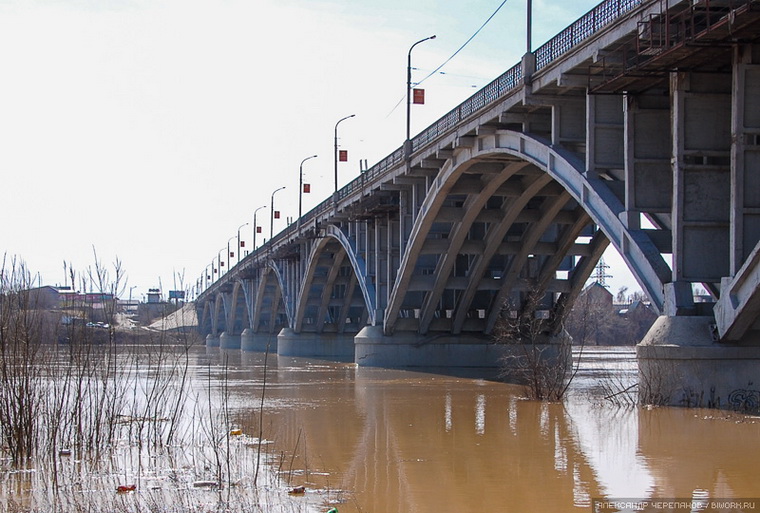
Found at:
(592, 22)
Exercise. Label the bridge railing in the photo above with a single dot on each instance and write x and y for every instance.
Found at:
(593, 21)
(587, 25)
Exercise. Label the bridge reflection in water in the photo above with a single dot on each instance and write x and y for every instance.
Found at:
(393, 440)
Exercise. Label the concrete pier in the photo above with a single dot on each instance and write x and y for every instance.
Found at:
(333, 345)
(374, 349)
(681, 365)
(229, 341)
(212, 340)
(259, 342)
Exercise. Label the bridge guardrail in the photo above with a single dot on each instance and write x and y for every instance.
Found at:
(594, 20)
(585, 26)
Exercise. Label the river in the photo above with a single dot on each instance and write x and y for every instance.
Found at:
(372, 440)
(380, 440)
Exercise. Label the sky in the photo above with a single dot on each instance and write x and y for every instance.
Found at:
(149, 131)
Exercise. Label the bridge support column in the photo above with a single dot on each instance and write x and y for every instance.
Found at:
(229, 341)
(212, 340)
(681, 365)
(250, 341)
(332, 345)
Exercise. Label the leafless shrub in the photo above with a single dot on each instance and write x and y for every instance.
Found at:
(536, 356)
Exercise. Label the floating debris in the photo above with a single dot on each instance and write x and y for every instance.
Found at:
(236, 432)
(298, 490)
(64, 452)
(126, 488)
(205, 484)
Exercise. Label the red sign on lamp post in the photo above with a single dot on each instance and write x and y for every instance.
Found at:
(343, 156)
(306, 188)
(418, 96)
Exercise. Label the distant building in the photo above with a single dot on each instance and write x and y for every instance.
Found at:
(598, 294)
(154, 296)
(596, 320)
(44, 298)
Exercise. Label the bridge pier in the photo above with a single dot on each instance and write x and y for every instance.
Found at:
(229, 341)
(250, 341)
(374, 349)
(212, 340)
(334, 345)
(680, 364)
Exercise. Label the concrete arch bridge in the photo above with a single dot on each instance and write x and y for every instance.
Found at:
(637, 126)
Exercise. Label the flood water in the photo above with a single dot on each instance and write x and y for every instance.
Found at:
(372, 440)
(379, 440)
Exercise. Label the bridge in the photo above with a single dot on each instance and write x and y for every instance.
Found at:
(637, 126)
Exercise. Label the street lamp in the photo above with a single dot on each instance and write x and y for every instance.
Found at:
(408, 142)
(529, 28)
(228, 252)
(300, 187)
(271, 215)
(255, 226)
(335, 155)
(219, 263)
(238, 240)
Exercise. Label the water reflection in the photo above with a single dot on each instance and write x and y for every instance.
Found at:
(378, 440)
(395, 440)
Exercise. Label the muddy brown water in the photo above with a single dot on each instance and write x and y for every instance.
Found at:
(371, 440)
(410, 441)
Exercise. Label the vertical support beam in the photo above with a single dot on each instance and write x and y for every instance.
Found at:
(604, 135)
(405, 215)
(568, 125)
(378, 257)
(745, 155)
(648, 171)
(701, 131)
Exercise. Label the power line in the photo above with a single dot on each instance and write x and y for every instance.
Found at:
(465, 43)
(436, 70)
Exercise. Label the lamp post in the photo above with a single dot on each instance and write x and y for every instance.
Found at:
(335, 155)
(228, 252)
(408, 142)
(219, 262)
(529, 28)
(238, 240)
(271, 215)
(300, 187)
(255, 226)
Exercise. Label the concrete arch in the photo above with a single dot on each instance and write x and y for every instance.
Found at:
(205, 323)
(513, 151)
(219, 314)
(268, 300)
(238, 311)
(334, 238)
